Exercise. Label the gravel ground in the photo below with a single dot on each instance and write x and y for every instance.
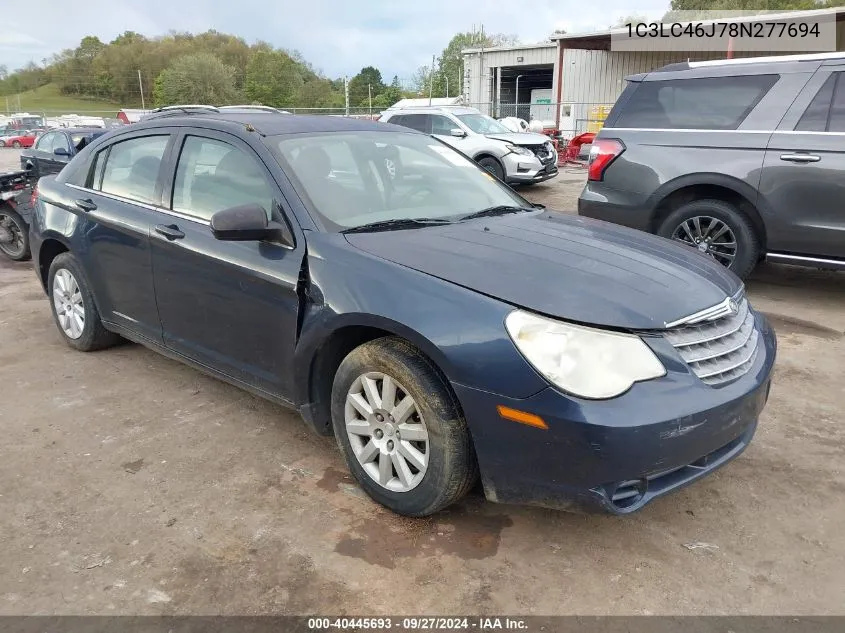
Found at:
(130, 484)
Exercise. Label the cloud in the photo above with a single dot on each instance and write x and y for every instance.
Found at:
(337, 36)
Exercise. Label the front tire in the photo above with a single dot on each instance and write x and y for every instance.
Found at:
(492, 166)
(14, 235)
(400, 428)
(718, 229)
(16, 144)
(73, 306)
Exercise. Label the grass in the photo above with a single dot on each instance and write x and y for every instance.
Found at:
(48, 100)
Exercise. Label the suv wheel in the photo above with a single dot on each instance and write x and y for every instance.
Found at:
(400, 430)
(718, 229)
(73, 306)
(491, 165)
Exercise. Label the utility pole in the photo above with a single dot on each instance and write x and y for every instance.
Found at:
(446, 77)
(431, 80)
(370, 94)
(346, 92)
(141, 88)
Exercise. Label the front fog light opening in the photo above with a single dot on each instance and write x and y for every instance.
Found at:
(626, 494)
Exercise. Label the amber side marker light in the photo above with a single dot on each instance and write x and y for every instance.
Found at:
(515, 415)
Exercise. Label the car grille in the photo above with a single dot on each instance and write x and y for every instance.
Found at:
(718, 351)
(544, 152)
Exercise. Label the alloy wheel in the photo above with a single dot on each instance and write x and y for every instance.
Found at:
(386, 431)
(710, 236)
(67, 299)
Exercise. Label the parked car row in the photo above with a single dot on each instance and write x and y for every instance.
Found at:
(404, 300)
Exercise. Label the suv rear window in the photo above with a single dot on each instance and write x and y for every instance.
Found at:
(711, 103)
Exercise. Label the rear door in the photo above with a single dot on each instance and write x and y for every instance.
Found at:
(232, 306)
(803, 178)
(117, 197)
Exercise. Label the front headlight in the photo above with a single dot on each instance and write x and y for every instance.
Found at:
(583, 361)
(518, 149)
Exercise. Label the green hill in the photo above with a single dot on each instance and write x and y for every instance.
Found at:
(48, 100)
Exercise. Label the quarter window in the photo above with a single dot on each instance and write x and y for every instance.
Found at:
(132, 167)
(814, 118)
(213, 175)
(712, 103)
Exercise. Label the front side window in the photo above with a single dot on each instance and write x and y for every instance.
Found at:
(213, 175)
(350, 179)
(441, 125)
(45, 143)
(710, 103)
(131, 169)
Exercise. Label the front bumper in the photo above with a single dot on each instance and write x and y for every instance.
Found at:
(616, 455)
(521, 169)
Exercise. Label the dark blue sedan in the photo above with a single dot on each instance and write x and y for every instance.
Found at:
(55, 148)
(402, 299)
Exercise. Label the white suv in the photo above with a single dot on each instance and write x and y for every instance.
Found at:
(514, 157)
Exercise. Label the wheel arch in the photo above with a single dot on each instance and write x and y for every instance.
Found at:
(680, 191)
(318, 362)
(486, 154)
(50, 248)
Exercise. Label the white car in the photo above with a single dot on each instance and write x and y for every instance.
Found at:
(513, 157)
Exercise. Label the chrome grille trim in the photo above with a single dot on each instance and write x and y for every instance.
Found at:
(718, 350)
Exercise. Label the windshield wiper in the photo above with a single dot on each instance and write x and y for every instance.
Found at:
(403, 223)
(493, 211)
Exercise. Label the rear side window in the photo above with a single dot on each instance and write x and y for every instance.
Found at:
(711, 103)
(131, 169)
(418, 122)
(826, 112)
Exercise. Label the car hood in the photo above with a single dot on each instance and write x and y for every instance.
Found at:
(520, 138)
(563, 266)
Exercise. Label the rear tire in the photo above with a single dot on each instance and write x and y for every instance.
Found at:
(696, 223)
(15, 229)
(73, 306)
(492, 166)
(414, 459)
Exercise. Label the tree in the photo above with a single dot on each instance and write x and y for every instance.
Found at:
(360, 85)
(391, 95)
(629, 19)
(198, 78)
(699, 6)
(272, 78)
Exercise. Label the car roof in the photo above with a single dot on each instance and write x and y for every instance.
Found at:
(78, 130)
(265, 123)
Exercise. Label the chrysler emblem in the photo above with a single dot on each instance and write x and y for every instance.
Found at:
(733, 308)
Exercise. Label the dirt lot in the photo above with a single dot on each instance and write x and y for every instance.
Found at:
(132, 484)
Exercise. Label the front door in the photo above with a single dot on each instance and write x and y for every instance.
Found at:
(232, 306)
(802, 180)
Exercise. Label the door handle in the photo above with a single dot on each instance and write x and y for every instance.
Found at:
(86, 205)
(800, 158)
(170, 231)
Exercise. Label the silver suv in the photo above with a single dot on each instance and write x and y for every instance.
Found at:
(514, 157)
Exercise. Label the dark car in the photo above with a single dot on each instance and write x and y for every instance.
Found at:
(387, 288)
(54, 149)
(741, 159)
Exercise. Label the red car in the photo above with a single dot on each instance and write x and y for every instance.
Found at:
(24, 139)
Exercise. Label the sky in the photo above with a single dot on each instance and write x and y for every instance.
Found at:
(338, 37)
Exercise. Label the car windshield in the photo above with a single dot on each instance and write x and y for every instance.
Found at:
(352, 179)
(483, 124)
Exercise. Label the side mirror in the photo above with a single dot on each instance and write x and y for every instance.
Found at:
(61, 151)
(458, 132)
(538, 205)
(244, 223)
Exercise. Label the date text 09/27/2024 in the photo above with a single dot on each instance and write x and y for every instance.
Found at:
(417, 624)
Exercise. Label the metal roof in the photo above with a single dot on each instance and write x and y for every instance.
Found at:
(517, 47)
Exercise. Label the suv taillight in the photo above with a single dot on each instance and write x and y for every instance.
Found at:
(603, 152)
